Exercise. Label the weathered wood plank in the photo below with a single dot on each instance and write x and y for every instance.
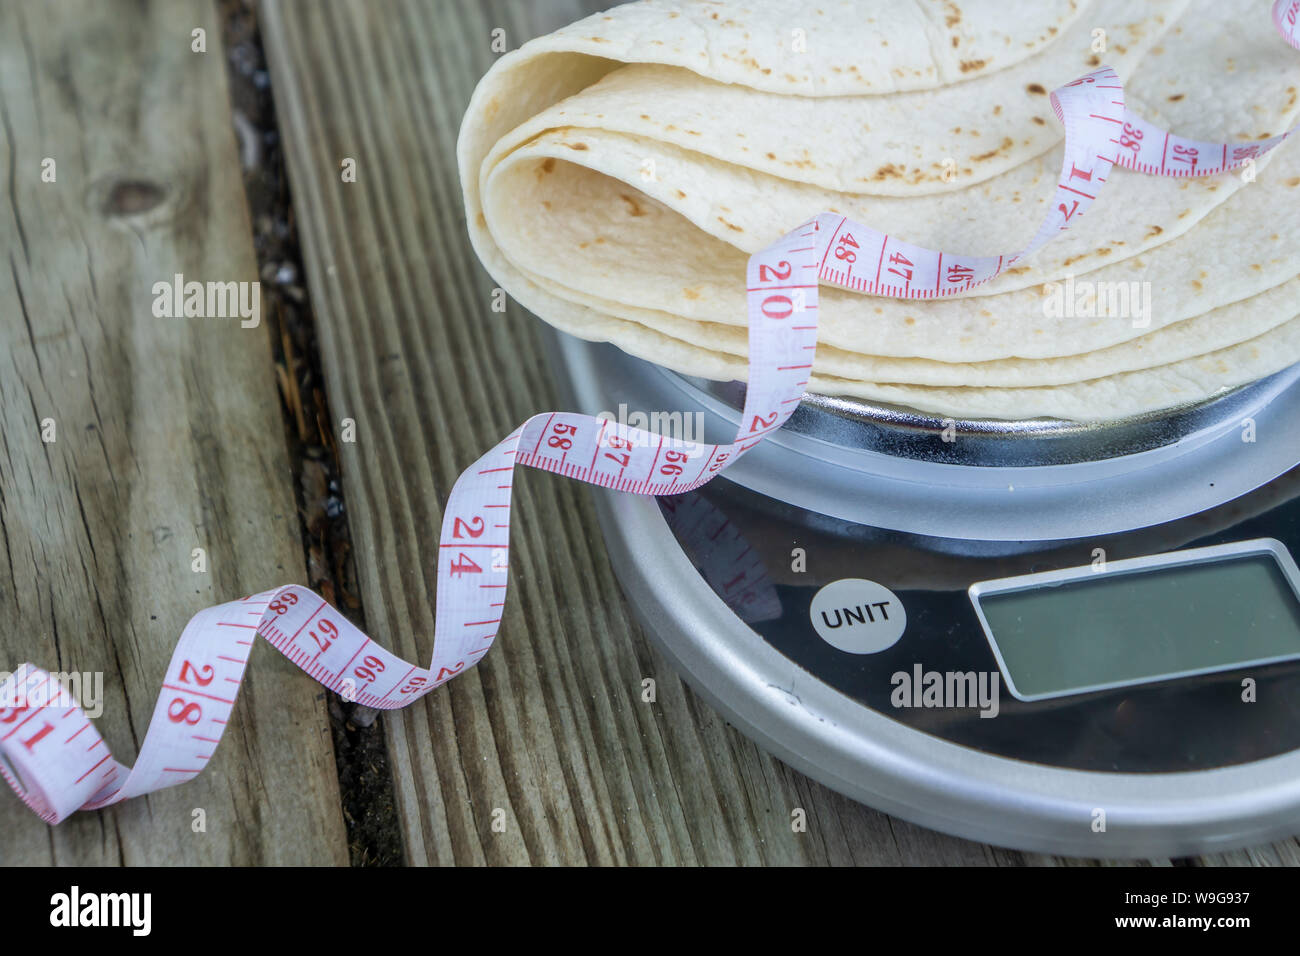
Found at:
(550, 727)
(168, 432)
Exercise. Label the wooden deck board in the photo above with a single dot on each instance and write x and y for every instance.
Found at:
(169, 435)
(550, 727)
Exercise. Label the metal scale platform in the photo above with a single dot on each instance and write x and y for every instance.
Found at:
(1130, 586)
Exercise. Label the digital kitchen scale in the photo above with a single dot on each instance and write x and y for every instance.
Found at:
(1119, 601)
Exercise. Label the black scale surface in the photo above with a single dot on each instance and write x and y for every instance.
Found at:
(1184, 724)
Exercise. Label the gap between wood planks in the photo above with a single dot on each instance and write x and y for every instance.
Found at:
(360, 751)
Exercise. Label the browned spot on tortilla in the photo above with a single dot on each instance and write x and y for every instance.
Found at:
(1094, 60)
(546, 205)
(481, 221)
(731, 226)
(1176, 97)
(955, 41)
(680, 194)
(1017, 270)
(546, 166)
(968, 65)
(597, 39)
(691, 293)
(577, 146)
(634, 207)
(997, 110)
(908, 320)
(1293, 181)
(1040, 121)
(1006, 144)
(1155, 231)
(771, 155)
(1196, 284)
(1257, 267)
(888, 171)
(1036, 88)
(600, 240)
(645, 116)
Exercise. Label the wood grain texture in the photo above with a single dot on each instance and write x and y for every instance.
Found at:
(550, 727)
(168, 431)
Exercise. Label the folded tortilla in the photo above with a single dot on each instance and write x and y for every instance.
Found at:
(618, 173)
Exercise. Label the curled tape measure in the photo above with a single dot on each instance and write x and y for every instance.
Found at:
(55, 759)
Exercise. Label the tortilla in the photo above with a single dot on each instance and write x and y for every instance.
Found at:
(618, 173)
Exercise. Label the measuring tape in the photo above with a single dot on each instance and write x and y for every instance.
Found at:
(57, 762)
(727, 561)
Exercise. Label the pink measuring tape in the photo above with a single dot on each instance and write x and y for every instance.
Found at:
(55, 759)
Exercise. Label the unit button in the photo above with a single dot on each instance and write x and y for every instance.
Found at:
(858, 616)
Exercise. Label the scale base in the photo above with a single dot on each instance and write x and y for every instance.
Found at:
(772, 690)
(914, 775)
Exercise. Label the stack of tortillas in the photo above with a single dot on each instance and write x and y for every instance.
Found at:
(618, 173)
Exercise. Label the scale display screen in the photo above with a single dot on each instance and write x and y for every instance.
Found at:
(1143, 619)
